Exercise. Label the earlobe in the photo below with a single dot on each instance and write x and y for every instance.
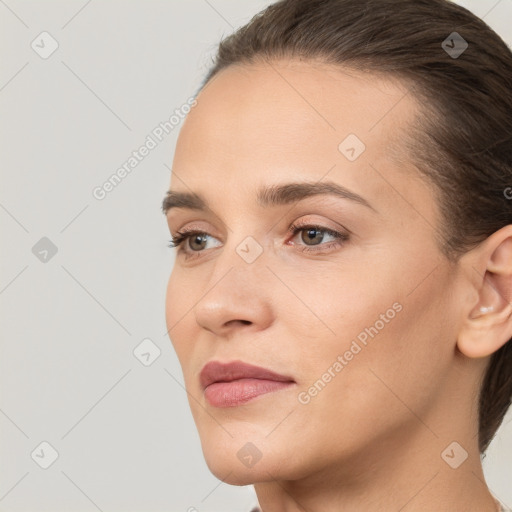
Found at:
(488, 325)
(486, 329)
(485, 332)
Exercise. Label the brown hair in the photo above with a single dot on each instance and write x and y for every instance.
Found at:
(462, 140)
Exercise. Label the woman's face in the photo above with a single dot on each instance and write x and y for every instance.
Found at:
(359, 312)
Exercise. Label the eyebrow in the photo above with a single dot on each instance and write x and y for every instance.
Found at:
(274, 195)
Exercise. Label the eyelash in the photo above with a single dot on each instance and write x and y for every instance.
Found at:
(294, 229)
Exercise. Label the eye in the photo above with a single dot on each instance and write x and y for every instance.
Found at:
(194, 241)
(314, 235)
(197, 239)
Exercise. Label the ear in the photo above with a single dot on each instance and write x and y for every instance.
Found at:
(488, 325)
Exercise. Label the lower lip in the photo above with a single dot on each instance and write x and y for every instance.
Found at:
(238, 392)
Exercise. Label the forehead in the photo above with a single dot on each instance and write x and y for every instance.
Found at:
(288, 97)
(286, 120)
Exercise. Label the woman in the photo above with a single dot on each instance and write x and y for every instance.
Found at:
(340, 299)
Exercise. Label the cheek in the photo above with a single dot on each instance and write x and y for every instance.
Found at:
(388, 358)
(177, 313)
(334, 306)
(171, 301)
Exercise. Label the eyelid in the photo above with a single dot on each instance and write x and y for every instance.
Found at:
(303, 223)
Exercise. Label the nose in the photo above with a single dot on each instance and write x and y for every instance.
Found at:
(237, 296)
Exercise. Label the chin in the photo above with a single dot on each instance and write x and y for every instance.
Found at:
(238, 461)
(235, 476)
(231, 471)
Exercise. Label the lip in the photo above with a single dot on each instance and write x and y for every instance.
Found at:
(235, 383)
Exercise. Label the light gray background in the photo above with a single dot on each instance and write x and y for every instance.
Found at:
(123, 431)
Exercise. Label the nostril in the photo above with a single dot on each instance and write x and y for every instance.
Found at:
(244, 322)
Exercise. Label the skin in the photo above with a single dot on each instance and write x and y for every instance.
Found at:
(372, 438)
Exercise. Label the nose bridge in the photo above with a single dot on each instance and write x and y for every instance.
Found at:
(236, 288)
(242, 260)
(246, 245)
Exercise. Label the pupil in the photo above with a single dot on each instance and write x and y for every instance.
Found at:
(199, 239)
(312, 233)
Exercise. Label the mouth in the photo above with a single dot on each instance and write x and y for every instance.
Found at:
(236, 383)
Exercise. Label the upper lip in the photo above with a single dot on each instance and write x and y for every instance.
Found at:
(215, 371)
